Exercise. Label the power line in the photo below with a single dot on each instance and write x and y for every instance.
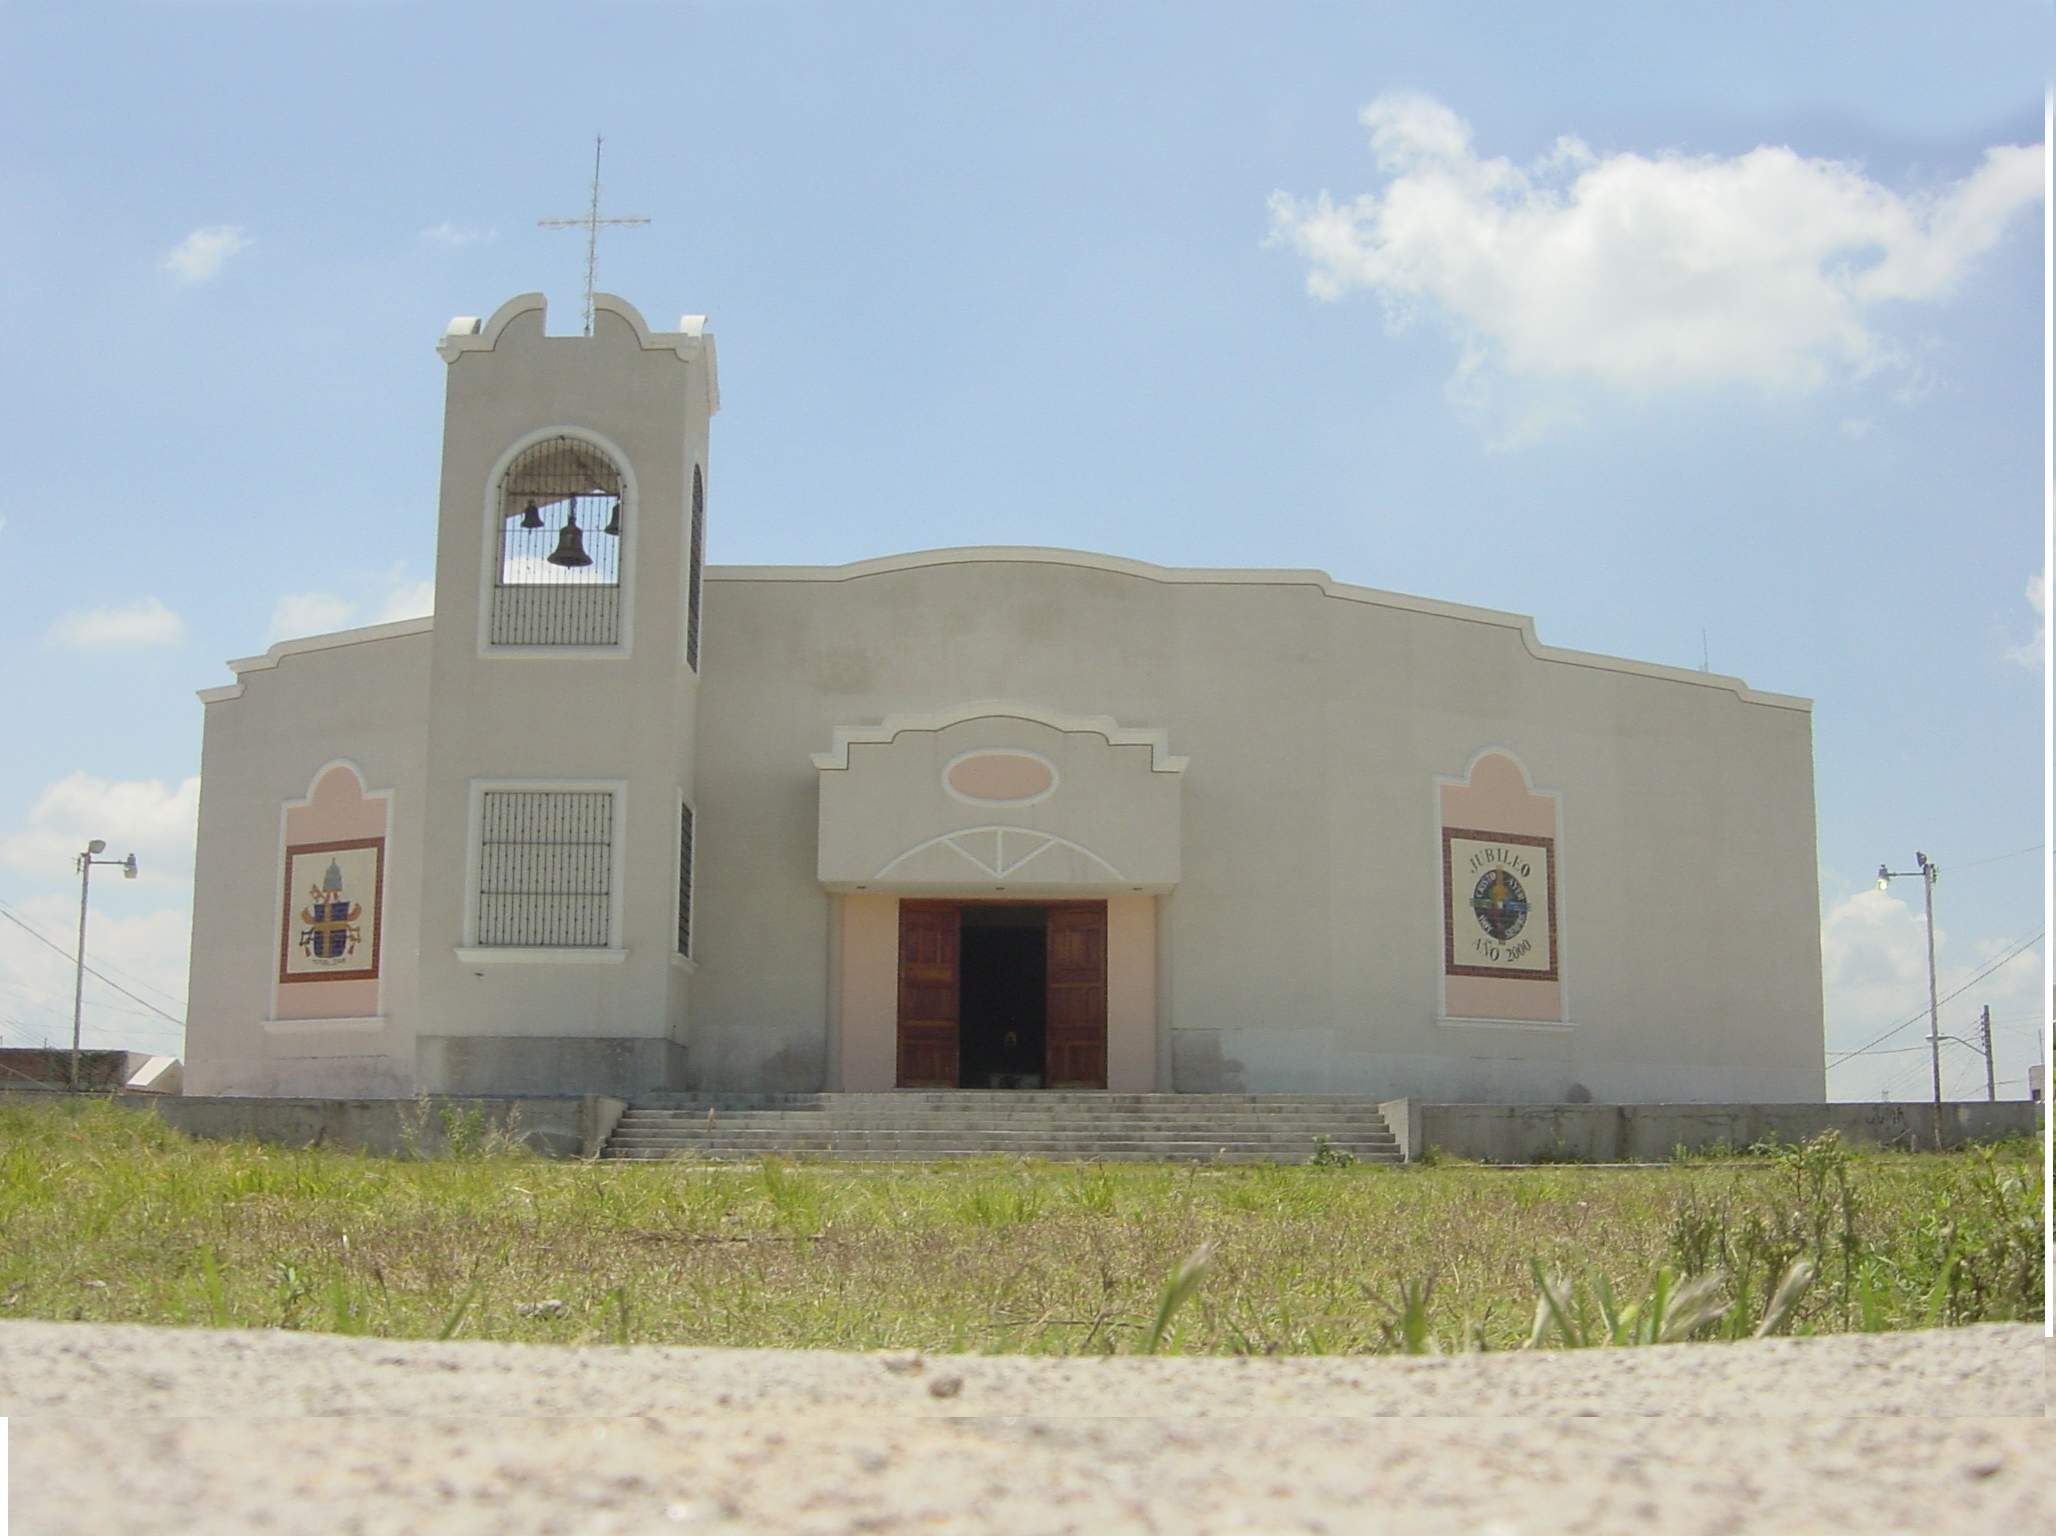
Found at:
(1996, 858)
(124, 991)
(143, 982)
(2019, 949)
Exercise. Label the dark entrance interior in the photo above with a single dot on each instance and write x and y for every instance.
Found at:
(1003, 997)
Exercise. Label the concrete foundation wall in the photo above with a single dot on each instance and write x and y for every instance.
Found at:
(542, 1064)
(553, 1126)
(1647, 1133)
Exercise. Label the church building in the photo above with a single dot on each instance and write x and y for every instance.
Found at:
(615, 821)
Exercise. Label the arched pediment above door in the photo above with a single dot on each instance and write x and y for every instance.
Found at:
(999, 799)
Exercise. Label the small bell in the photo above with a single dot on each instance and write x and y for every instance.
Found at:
(532, 518)
(570, 550)
(614, 522)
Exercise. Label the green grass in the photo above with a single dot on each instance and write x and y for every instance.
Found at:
(107, 1215)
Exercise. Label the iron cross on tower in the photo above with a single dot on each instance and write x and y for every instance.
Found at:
(590, 223)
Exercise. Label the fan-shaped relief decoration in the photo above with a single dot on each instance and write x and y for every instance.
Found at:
(561, 506)
(999, 852)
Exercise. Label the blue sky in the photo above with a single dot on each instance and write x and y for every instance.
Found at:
(1736, 320)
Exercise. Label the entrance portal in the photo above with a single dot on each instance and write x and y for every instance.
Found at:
(1002, 995)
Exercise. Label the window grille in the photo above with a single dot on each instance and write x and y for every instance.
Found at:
(692, 591)
(545, 869)
(685, 880)
(558, 581)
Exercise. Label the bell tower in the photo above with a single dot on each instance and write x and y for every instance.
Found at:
(564, 683)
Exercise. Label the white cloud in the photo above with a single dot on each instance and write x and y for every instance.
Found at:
(310, 613)
(409, 600)
(1858, 427)
(2030, 654)
(454, 235)
(200, 257)
(1874, 974)
(153, 819)
(1645, 272)
(318, 613)
(146, 952)
(145, 622)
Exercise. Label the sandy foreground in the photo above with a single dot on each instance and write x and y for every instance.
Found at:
(120, 1429)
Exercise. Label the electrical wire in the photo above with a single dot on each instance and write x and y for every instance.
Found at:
(124, 991)
(1863, 1050)
(143, 982)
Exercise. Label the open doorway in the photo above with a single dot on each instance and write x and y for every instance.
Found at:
(1002, 996)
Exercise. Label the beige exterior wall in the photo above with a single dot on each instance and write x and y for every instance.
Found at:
(1302, 947)
(1131, 996)
(869, 1013)
(268, 738)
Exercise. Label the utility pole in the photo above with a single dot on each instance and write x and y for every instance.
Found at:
(1928, 873)
(1984, 1028)
(86, 861)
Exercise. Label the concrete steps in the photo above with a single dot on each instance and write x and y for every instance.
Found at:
(1056, 1125)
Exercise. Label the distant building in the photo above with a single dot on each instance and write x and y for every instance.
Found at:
(964, 818)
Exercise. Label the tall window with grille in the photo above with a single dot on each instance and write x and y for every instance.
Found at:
(546, 869)
(694, 570)
(685, 879)
(557, 581)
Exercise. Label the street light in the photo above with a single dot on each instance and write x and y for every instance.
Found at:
(86, 861)
(1928, 874)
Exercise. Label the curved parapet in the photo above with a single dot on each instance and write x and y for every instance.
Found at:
(691, 341)
(1522, 625)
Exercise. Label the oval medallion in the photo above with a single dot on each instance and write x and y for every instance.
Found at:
(1000, 776)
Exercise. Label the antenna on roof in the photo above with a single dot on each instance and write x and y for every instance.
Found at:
(590, 223)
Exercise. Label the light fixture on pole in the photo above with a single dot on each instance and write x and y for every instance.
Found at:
(1928, 873)
(86, 861)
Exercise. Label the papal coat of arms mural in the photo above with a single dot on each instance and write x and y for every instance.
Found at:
(1499, 904)
(333, 894)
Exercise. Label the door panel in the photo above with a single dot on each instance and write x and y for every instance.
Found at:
(1077, 1017)
(929, 947)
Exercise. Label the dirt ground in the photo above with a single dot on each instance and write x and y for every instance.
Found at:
(121, 1429)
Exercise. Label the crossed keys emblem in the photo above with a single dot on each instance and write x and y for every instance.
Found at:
(329, 934)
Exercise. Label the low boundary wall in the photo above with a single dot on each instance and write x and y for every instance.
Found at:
(578, 1126)
(554, 1126)
(1651, 1133)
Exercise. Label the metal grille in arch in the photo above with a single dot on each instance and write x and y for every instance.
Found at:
(558, 580)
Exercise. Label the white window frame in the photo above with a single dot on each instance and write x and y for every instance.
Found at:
(687, 962)
(489, 565)
(471, 952)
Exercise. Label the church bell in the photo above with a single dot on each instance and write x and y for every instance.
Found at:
(532, 518)
(614, 522)
(570, 550)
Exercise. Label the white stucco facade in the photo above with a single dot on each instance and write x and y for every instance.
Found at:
(1312, 837)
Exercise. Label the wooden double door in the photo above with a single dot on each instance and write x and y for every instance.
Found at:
(932, 991)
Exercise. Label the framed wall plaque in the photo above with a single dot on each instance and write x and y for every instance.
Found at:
(1498, 905)
(334, 899)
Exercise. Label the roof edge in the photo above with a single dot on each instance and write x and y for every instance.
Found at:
(1327, 585)
(302, 645)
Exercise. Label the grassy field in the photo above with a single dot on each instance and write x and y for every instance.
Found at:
(107, 1215)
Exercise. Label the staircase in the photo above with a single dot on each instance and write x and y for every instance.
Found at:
(1062, 1126)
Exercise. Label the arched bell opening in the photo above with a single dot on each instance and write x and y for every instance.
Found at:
(558, 578)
